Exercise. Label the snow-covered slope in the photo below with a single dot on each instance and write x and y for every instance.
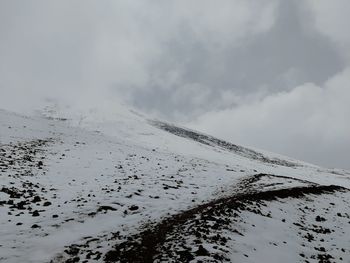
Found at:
(124, 188)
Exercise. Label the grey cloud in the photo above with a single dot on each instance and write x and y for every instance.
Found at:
(189, 61)
(78, 50)
(289, 54)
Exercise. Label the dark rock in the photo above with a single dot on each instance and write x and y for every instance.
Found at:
(36, 199)
(320, 219)
(202, 251)
(133, 207)
(106, 208)
(20, 205)
(73, 260)
(36, 213)
(72, 250)
(185, 256)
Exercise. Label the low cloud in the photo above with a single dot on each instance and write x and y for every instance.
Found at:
(76, 51)
(271, 72)
(309, 122)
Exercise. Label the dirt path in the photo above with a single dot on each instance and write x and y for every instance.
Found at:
(186, 236)
(145, 246)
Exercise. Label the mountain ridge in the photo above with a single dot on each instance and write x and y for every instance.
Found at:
(74, 189)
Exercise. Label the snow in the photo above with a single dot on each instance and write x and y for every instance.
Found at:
(119, 161)
(276, 246)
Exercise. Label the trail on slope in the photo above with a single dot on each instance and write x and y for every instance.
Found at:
(210, 232)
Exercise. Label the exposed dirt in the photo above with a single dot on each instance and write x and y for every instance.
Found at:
(147, 246)
(181, 237)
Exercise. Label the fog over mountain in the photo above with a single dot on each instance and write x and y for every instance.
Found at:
(271, 74)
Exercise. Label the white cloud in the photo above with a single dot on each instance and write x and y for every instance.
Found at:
(310, 122)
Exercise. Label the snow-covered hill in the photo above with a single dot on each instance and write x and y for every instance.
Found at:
(128, 189)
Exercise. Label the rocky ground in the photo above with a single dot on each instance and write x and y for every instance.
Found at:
(211, 232)
(128, 191)
(19, 162)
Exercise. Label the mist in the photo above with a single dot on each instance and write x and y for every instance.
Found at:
(268, 74)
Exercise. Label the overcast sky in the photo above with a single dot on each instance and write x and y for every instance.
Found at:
(272, 74)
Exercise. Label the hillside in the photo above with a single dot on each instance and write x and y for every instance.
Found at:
(129, 189)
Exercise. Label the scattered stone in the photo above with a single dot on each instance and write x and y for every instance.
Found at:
(36, 213)
(106, 208)
(320, 219)
(36, 199)
(202, 251)
(133, 208)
